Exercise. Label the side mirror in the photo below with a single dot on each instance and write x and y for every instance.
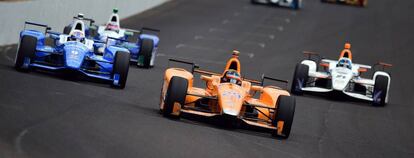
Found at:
(128, 33)
(93, 27)
(257, 88)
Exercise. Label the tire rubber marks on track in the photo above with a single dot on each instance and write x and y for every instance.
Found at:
(5, 53)
(18, 141)
(324, 128)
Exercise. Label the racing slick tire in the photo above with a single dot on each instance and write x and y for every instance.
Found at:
(67, 30)
(25, 51)
(147, 45)
(254, 2)
(299, 78)
(363, 3)
(380, 90)
(120, 69)
(284, 113)
(297, 4)
(176, 93)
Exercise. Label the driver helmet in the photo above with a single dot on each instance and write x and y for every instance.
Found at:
(112, 27)
(77, 35)
(344, 63)
(232, 76)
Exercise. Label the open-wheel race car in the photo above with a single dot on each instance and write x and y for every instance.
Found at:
(294, 4)
(71, 53)
(143, 50)
(342, 76)
(362, 3)
(229, 97)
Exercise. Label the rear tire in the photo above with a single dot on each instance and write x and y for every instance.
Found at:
(363, 3)
(380, 91)
(176, 92)
(296, 4)
(285, 112)
(299, 78)
(147, 45)
(67, 30)
(120, 69)
(26, 51)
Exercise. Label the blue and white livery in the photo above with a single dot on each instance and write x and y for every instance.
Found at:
(71, 53)
(143, 50)
(294, 4)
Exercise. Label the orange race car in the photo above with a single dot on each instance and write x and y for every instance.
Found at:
(361, 3)
(228, 96)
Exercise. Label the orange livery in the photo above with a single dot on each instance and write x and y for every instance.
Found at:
(229, 96)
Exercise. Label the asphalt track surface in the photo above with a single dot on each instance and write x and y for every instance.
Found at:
(45, 116)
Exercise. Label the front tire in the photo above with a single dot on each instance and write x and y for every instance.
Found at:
(284, 113)
(145, 53)
(299, 78)
(380, 91)
(176, 93)
(25, 53)
(120, 69)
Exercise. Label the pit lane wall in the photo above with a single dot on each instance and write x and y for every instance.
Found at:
(58, 13)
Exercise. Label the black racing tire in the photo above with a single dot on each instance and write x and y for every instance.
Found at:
(121, 67)
(296, 4)
(300, 78)
(254, 2)
(67, 30)
(363, 3)
(380, 90)
(176, 92)
(27, 49)
(285, 112)
(147, 46)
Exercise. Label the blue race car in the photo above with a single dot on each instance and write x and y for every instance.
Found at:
(143, 51)
(72, 52)
(295, 4)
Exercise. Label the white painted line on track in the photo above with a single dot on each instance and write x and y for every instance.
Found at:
(271, 36)
(260, 44)
(18, 141)
(271, 27)
(287, 20)
(217, 30)
(225, 21)
(280, 28)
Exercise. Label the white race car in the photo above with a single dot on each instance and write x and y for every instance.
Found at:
(342, 75)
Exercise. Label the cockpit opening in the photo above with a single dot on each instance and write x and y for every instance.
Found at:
(114, 19)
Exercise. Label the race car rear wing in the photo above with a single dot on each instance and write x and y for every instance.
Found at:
(47, 28)
(196, 69)
(90, 20)
(285, 82)
(383, 65)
